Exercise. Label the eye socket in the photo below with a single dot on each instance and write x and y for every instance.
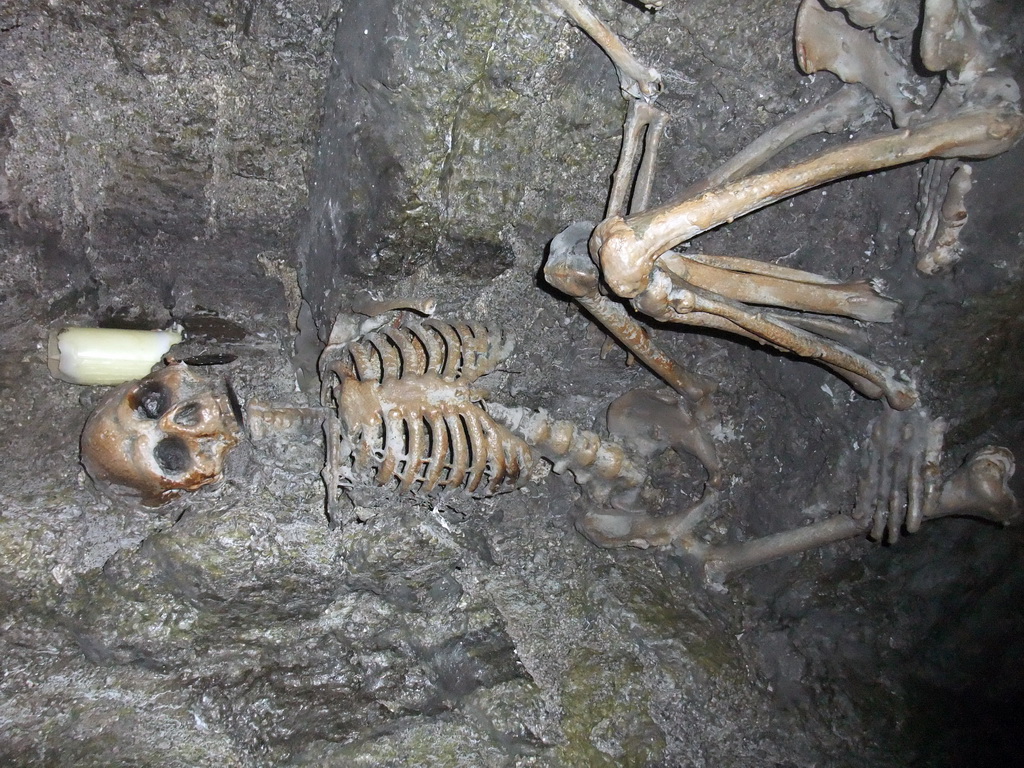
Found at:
(151, 400)
(172, 455)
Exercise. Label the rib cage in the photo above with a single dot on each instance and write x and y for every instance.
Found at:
(427, 443)
(407, 412)
(449, 351)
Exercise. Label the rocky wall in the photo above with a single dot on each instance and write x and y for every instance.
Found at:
(217, 162)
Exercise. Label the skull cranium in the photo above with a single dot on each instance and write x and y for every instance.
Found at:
(160, 435)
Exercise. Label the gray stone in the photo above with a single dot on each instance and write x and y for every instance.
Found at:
(151, 154)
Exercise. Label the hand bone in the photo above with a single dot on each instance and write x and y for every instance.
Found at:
(901, 487)
(900, 473)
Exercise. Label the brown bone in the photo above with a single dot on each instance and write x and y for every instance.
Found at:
(626, 249)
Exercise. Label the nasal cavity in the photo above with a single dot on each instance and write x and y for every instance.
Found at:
(189, 415)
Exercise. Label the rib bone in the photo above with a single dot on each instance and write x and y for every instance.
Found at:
(409, 415)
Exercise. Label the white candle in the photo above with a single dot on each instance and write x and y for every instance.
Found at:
(107, 355)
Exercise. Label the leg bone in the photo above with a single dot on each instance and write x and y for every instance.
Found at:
(779, 287)
(627, 248)
(641, 134)
(570, 270)
(843, 110)
(722, 561)
(673, 300)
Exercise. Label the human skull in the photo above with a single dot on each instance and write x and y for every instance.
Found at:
(160, 435)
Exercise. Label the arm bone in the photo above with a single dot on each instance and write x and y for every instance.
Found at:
(635, 79)
(675, 301)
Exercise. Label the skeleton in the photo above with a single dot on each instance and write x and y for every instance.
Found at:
(403, 406)
(628, 254)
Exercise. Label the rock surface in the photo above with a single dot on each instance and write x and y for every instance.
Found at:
(172, 161)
